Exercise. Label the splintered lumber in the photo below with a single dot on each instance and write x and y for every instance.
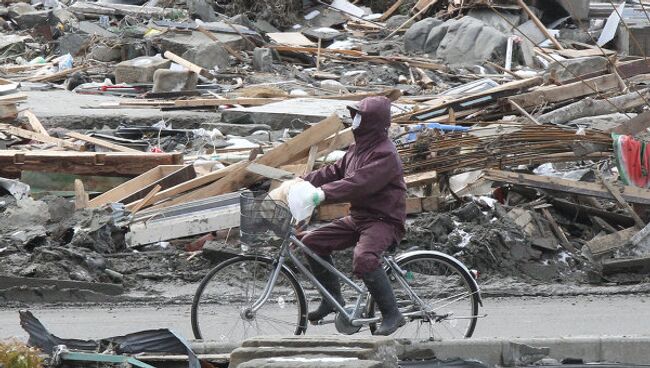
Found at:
(166, 176)
(630, 194)
(84, 163)
(605, 244)
(192, 184)
(100, 142)
(285, 153)
(387, 14)
(146, 200)
(28, 134)
(414, 205)
(269, 172)
(189, 65)
(617, 195)
(56, 76)
(419, 179)
(566, 92)
(13, 98)
(539, 24)
(34, 123)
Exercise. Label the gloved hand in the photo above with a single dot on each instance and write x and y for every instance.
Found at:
(280, 193)
(303, 198)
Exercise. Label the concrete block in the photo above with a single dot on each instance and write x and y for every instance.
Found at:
(262, 59)
(209, 56)
(32, 19)
(139, 70)
(180, 43)
(417, 34)
(165, 80)
(71, 43)
(574, 68)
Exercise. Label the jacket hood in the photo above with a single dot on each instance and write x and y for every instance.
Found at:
(375, 121)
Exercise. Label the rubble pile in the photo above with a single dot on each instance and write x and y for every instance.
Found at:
(128, 130)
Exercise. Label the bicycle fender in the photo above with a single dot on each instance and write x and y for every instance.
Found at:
(450, 259)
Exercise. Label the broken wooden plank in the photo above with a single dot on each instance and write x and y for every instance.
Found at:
(609, 243)
(131, 188)
(100, 142)
(314, 50)
(630, 194)
(146, 200)
(566, 92)
(28, 134)
(311, 159)
(539, 24)
(269, 172)
(54, 77)
(188, 65)
(622, 202)
(34, 123)
(193, 183)
(564, 241)
(393, 8)
(84, 163)
(419, 179)
(278, 156)
(290, 39)
(627, 265)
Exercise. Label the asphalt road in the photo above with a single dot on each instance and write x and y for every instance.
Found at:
(507, 317)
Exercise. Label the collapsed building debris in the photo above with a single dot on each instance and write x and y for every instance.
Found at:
(514, 119)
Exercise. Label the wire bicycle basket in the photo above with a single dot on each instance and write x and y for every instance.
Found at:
(263, 220)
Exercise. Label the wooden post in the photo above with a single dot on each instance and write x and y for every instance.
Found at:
(539, 24)
(80, 195)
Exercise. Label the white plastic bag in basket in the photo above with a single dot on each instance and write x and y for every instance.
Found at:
(301, 200)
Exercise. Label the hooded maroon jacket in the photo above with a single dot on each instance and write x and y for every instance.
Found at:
(370, 175)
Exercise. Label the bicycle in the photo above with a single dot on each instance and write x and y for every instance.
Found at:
(254, 294)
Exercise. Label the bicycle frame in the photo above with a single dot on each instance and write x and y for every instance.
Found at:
(352, 316)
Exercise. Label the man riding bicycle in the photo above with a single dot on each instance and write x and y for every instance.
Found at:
(370, 177)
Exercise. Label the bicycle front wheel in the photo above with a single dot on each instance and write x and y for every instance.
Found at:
(448, 298)
(221, 309)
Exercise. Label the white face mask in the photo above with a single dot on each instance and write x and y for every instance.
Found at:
(356, 121)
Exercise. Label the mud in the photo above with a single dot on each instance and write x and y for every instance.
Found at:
(492, 244)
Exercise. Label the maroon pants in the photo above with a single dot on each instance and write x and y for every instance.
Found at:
(370, 238)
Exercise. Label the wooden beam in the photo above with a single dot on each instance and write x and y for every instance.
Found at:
(414, 205)
(56, 76)
(630, 194)
(391, 10)
(311, 159)
(100, 142)
(28, 134)
(35, 123)
(419, 179)
(194, 183)
(227, 101)
(566, 92)
(269, 172)
(146, 200)
(539, 24)
(278, 156)
(84, 163)
(189, 65)
(622, 202)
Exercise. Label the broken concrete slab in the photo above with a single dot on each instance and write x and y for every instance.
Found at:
(28, 20)
(139, 70)
(105, 53)
(72, 43)
(201, 9)
(92, 28)
(609, 243)
(180, 43)
(604, 123)
(417, 34)
(17, 9)
(165, 80)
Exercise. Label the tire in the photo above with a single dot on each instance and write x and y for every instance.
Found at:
(440, 276)
(237, 283)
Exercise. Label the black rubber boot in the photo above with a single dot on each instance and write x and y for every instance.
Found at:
(331, 283)
(382, 292)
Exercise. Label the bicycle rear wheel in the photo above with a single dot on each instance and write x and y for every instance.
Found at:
(220, 309)
(449, 295)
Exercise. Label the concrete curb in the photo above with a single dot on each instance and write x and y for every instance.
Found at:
(509, 352)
